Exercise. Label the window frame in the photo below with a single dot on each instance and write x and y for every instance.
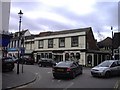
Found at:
(50, 43)
(40, 45)
(74, 41)
(62, 40)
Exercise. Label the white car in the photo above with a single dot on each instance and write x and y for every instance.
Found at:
(107, 68)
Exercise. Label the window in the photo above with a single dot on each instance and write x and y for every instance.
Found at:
(50, 55)
(40, 44)
(74, 41)
(77, 56)
(61, 42)
(50, 43)
(12, 44)
(67, 56)
(15, 44)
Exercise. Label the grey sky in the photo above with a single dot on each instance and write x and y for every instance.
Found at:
(46, 15)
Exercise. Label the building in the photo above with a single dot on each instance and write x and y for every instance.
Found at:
(4, 25)
(105, 45)
(116, 45)
(13, 46)
(76, 44)
(29, 45)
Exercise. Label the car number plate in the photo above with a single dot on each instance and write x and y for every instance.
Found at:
(60, 70)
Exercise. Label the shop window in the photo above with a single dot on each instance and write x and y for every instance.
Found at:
(50, 55)
(67, 56)
(77, 56)
(89, 59)
(46, 55)
(42, 55)
(72, 57)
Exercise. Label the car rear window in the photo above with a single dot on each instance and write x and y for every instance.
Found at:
(64, 64)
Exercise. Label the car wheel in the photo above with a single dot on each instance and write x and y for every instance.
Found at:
(107, 74)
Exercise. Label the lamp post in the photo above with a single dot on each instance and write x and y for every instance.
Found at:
(119, 52)
(112, 42)
(20, 16)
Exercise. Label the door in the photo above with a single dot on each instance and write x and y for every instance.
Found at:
(114, 68)
(118, 67)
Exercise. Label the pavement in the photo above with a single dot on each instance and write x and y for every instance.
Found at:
(12, 80)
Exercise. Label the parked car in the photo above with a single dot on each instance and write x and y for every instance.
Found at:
(67, 69)
(26, 60)
(107, 68)
(7, 64)
(46, 62)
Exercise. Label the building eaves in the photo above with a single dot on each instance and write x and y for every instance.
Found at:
(49, 33)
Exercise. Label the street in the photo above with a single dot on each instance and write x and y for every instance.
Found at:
(46, 80)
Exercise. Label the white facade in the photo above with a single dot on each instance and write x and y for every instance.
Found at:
(81, 45)
(13, 45)
(61, 51)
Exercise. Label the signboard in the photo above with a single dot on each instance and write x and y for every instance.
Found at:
(4, 40)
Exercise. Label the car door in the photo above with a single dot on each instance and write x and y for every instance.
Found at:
(74, 68)
(118, 67)
(114, 68)
(77, 68)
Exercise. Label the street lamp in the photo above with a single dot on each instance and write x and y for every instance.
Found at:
(112, 42)
(119, 52)
(20, 16)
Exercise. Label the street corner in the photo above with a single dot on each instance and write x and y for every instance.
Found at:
(12, 81)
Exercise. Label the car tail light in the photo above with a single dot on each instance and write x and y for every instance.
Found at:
(68, 69)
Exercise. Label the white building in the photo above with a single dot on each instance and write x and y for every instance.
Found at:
(17, 41)
(76, 44)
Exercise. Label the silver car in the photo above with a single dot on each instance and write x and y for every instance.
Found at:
(107, 68)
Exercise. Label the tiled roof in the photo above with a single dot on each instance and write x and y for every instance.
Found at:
(49, 33)
(106, 42)
(31, 36)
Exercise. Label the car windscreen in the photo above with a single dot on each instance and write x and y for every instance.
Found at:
(63, 64)
(105, 64)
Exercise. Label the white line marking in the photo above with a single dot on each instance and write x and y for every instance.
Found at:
(68, 86)
(59, 80)
(116, 84)
(48, 72)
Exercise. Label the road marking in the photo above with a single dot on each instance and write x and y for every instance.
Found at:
(116, 84)
(48, 72)
(59, 80)
(68, 86)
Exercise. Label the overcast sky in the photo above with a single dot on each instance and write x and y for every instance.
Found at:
(54, 15)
